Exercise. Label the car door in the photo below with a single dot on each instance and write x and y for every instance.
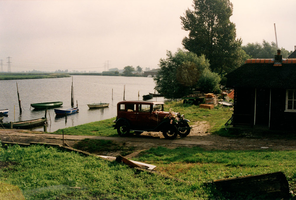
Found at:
(130, 113)
(143, 116)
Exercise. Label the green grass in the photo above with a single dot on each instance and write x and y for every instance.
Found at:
(99, 128)
(99, 146)
(216, 117)
(182, 173)
(49, 173)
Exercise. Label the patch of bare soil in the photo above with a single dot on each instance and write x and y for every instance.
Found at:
(199, 136)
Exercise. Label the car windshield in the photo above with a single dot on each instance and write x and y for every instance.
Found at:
(158, 107)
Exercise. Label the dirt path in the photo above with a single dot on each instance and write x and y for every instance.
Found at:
(199, 136)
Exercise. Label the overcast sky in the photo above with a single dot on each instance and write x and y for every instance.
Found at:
(94, 35)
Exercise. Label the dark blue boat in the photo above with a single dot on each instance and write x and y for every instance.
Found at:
(68, 111)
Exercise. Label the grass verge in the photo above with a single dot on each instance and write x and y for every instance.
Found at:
(99, 128)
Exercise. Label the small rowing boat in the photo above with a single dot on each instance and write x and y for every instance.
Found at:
(47, 105)
(25, 124)
(97, 105)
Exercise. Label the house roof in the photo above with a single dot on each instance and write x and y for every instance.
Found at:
(264, 73)
(293, 55)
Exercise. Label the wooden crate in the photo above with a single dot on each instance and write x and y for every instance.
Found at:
(207, 106)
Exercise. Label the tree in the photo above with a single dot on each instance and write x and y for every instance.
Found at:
(180, 73)
(209, 81)
(264, 50)
(212, 34)
(139, 69)
(128, 71)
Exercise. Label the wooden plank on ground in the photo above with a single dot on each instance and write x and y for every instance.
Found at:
(133, 163)
(273, 184)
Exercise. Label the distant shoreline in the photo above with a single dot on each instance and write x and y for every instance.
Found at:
(17, 76)
(31, 75)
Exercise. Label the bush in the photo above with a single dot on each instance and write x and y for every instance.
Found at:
(209, 81)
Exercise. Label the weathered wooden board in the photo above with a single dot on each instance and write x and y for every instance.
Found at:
(274, 184)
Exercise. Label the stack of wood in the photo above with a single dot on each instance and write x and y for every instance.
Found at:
(210, 101)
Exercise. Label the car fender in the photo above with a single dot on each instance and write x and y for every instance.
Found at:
(164, 123)
(186, 120)
(120, 120)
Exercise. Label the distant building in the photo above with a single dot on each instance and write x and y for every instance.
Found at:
(113, 69)
(152, 72)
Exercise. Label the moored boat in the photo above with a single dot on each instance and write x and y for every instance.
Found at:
(156, 94)
(47, 105)
(147, 97)
(25, 124)
(97, 105)
(4, 111)
(67, 111)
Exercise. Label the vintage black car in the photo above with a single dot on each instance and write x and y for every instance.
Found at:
(140, 116)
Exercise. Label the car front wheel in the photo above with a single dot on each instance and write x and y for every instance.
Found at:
(123, 129)
(183, 129)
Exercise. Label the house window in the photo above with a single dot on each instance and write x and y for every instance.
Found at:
(291, 101)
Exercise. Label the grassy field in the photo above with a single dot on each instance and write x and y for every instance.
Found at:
(16, 76)
(43, 172)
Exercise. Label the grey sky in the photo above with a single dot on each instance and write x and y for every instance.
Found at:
(93, 35)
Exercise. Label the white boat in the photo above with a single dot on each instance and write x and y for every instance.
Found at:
(98, 105)
(4, 112)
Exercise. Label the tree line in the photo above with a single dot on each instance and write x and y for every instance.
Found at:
(210, 52)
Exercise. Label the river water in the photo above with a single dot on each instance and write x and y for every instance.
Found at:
(87, 89)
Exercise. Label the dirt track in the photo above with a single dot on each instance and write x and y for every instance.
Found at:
(198, 136)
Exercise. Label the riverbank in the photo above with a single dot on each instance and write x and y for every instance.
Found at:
(16, 76)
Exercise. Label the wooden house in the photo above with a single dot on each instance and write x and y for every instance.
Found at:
(293, 54)
(265, 93)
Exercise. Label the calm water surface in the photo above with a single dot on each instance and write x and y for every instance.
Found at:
(87, 89)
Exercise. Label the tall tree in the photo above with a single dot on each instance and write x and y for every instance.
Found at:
(264, 50)
(213, 34)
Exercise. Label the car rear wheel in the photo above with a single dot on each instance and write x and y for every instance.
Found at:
(170, 133)
(183, 129)
(123, 129)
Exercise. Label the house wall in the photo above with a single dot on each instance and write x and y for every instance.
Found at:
(281, 120)
(268, 113)
(243, 106)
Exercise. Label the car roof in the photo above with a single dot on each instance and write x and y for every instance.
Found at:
(144, 102)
